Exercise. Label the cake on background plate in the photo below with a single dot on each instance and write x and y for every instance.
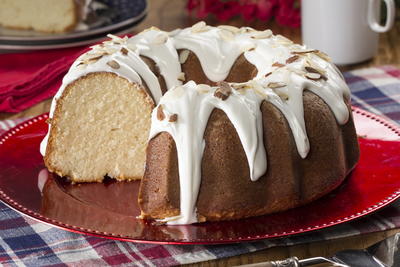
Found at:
(51, 16)
(221, 122)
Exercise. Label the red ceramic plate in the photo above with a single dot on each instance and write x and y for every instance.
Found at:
(109, 209)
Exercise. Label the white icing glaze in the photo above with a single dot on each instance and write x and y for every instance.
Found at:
(217, 50)
(215, 54)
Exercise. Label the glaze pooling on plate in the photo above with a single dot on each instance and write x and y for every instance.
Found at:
(284, 71)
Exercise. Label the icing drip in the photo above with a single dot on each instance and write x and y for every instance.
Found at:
(192, 106)
(216, 55)
(284, 71)
(160, 48)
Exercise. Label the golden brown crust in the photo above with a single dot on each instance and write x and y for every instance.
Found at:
(159, 194)
(226, 190)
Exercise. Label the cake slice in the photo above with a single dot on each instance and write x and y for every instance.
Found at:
(100, 117)
(100, 127)
(42, 15)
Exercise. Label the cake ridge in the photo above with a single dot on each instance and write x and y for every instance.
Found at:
(242, 103)
(193, 110)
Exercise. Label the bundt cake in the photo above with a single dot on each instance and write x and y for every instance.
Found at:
(43, 15)
(236, 122)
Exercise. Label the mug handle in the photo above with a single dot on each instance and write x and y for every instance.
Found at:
(373, 20)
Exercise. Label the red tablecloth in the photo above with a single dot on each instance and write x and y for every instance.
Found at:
(28, 78)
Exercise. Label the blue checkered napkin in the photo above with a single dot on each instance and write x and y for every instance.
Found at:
(376, 90)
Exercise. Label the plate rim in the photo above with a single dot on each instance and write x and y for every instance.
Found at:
(79, 42)
(76, 229)
(77, 35)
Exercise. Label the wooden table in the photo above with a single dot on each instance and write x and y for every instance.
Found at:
(171, 14)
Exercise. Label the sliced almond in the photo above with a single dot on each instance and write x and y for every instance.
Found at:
(249, 47)
(173, 118)
(131, 46)
(160, 39)
(282, 40)
(226, 35)
(313, 76)
(302, 52)
(262, 35)
(230, 28)
(93, 47)
(107, 43)
(282, 95)
(115, 39)
(246, 30)
(267, 74)
(88, 55)
(91, 57)
(183, 56)
(311, 69)
(260, 91)
(153, 28)
(203, 88)
(200, 26)
(278, 65)
(113, 64)
(323, 55)
(311, 63)
(316, 70)
(240, 86)
(274, 85)
(160, 113)
(124, 51)
(81, 65)
(292, 59)
(109, 50)
(97, 48)
(94, 59)
(224, 91)
(181, 77)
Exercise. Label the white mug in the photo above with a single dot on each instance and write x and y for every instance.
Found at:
(347, 30)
